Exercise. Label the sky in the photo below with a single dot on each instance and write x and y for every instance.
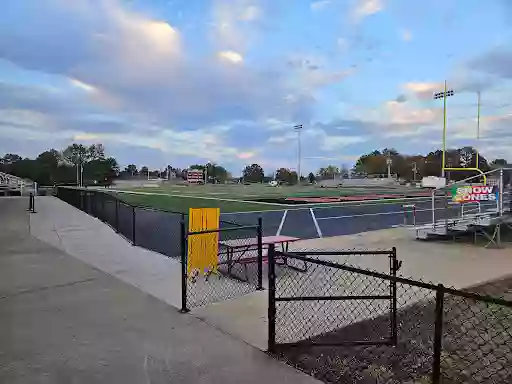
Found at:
(182, 82)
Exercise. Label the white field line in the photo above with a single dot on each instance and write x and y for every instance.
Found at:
(377, 214)
(281, 223)
(291, 207)
(342, 204)
(196, 197)
(318, 231)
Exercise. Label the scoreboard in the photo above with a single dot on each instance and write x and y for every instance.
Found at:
(195, 176)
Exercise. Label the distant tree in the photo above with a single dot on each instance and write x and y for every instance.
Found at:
(10, 158)
(498, 163)
(131, 170)
(466, 156)
(253, 173)
(329, 172)
(311, 177)
(286, 176)
(101, 171)
(216, 173)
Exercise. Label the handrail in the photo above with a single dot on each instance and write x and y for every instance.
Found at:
(482, 173)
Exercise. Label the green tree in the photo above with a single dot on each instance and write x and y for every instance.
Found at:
(329, 172)
(253, 173)
(131, 170)
(286, 176)
(499, 163)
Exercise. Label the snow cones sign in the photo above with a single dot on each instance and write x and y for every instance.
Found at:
(474, 193)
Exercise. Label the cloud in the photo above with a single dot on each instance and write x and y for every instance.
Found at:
(318, 5)
(311, 72)
(406, 35)
(401, 99)
(234, 24)
(496, 62)
(423, 90)
(112, 61)
(391, 119)
(251, 13)
(365, 8)
(318, 136)
(231, 56)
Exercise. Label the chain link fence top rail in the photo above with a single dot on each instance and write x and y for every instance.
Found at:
(238, 272)
(443, 335)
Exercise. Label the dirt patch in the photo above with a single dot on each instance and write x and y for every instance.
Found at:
(477, 344)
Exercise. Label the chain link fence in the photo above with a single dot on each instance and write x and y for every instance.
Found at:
(237, 270)
(345, 332)
(154, 229)
(239, 265)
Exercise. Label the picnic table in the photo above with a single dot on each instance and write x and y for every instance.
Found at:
(237, 251)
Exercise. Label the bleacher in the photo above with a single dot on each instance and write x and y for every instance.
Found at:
(11, 185)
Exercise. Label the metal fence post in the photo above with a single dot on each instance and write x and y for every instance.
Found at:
(117, 215)
(260, 253)
(133, 226)
(81, 200)
(31, 203)
(500, 193)
(392, 287)
(438, 335)
(183, 250)
(271, 298)
(103, 213)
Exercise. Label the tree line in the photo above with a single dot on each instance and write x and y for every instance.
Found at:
(415, 167)
(85, 165)
(76, 164)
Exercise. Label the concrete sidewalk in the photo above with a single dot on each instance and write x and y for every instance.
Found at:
(95, 243)
(63, 321)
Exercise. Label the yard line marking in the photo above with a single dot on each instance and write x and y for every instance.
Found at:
(375, 214)
(344, 204)
(281, 223)
(318, 231)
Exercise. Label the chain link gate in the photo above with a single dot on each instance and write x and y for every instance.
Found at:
(306, 308)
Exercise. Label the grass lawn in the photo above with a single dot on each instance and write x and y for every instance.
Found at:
(237, 198)
(182, 204)
(255, 191)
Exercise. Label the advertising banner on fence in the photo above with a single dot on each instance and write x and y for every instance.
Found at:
(474, 193)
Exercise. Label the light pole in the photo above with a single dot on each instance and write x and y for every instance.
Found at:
(206, 172)
(477, 129)
(444, 95)
(298, 129)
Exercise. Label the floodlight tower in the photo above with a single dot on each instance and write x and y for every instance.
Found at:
(298, 129)
(444, 95)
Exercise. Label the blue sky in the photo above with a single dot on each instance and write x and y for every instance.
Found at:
(187, 81)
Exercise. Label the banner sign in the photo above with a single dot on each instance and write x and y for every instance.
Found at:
(474, 193)
(203, 249)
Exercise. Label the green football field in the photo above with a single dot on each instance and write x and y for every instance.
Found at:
(240, 198)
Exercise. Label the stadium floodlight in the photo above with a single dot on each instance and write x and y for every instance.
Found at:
(298, 128)
(444, 95)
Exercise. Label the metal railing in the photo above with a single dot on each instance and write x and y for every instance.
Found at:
(441, 334)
